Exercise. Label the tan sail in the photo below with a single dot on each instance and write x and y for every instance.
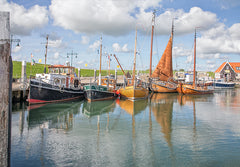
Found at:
(164, 71)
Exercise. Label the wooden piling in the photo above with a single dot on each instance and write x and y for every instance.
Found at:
(5, 89)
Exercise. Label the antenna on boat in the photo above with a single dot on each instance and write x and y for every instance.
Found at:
(46, 54)
(100, 61)
(72, 54)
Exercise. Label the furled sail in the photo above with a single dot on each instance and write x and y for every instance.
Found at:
(164, 71)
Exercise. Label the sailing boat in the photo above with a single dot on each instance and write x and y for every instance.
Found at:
(161, 81)
(134, 89)
(98, 92)
(193, 89)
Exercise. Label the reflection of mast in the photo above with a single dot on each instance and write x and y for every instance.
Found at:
(163, 116)
(98, 127)
(21, 120)
(133, 138)
(150, 132)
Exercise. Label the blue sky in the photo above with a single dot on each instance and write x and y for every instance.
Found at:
(77, 26)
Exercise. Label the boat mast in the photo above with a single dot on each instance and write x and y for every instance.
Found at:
(153, 21)
(194, 67)
(99, 83)
(134, 63)
(46, 55)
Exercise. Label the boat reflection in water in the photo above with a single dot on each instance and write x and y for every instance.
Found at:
(53, 116)
(97, 107)
(132, 107)
(162, 108)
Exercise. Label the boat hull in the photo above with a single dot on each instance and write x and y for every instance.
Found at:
(98, 93)
(132, 93)
(189, 89)
(160, 88)
(40, 92)
(224, 85)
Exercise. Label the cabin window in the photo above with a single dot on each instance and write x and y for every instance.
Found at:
(66, 70)
(227, 68)
(63, 81)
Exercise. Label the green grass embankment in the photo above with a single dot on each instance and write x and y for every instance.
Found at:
(39, 68)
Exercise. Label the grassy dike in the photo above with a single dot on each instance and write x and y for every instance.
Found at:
(38, 68)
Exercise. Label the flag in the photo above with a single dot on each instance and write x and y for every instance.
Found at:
(40, 61)
(118, 66)
(85, 65)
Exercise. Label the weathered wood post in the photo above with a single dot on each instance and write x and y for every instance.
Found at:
(5, 89)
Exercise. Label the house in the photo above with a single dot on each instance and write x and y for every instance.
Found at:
(229, 71)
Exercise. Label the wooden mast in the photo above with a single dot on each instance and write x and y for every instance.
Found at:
(134, 63)
(194, 67)
(153, 21)
(100, 82)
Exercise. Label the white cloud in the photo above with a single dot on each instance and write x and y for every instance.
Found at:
(57, 44)
(95, 45)
(220, 40)
(85, 40)
(117, 48)
(24, 21)
(107, 16)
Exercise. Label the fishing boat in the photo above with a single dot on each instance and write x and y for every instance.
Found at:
(135, 88)
(161, 81)
(60, 84)
(98, 91)
(220, 83)
(194, 88)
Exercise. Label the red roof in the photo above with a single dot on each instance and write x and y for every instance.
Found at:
(58, 66)
(234, 66)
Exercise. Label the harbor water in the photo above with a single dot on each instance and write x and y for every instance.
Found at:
(163, 130)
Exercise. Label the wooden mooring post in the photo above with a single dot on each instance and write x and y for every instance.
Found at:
(5, 89)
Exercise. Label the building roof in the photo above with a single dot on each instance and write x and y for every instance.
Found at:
(232, 64)
(59, 66)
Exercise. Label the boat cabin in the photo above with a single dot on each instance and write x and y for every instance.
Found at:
(60, 75)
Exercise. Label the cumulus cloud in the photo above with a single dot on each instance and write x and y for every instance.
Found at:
(95, 45)
(117, 48)
(107, 16)
(24, 21)
(220, 40)
(117, 18)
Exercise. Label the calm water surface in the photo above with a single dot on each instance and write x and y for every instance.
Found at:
(165, 130)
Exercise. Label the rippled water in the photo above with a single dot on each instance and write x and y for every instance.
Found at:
(165, 130)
